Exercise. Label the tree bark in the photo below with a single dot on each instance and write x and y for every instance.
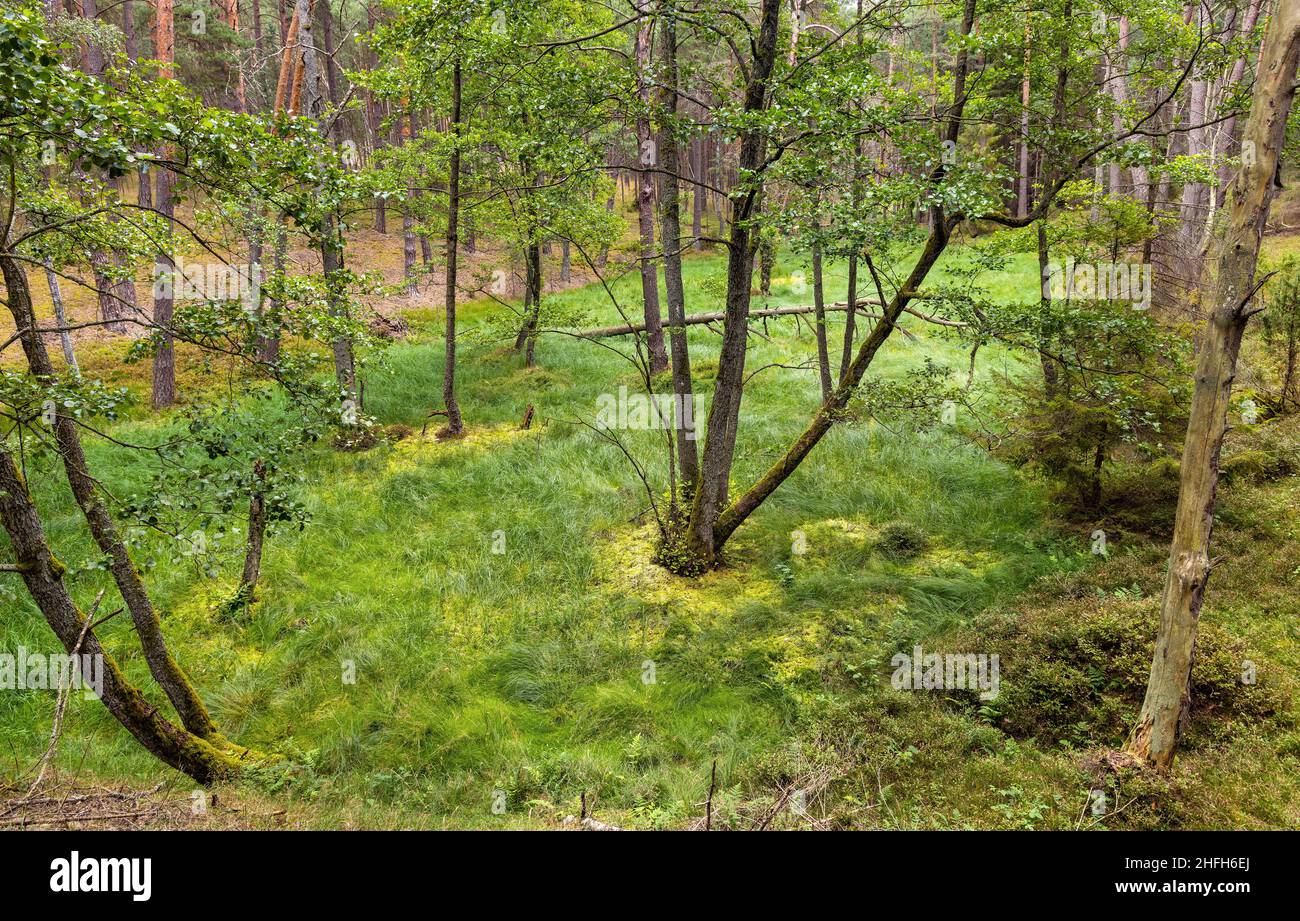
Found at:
(259, 36)
(535, 298)
(240, 101)
(128, 30)
(404, 131)
(698, 199)
(60, 317)
(846, 355)
(1051, 373)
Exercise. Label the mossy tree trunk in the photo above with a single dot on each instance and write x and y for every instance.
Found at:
(43, 576)
(169, 675)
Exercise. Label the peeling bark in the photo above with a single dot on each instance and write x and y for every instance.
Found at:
(1164, 709)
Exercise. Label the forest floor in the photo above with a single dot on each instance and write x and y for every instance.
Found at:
(504, 689)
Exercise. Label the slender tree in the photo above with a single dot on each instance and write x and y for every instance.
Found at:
(164, 305)
(1232, 289)
(648, 159)
(454, 423)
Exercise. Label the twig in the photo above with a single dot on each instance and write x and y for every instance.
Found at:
(62, 704)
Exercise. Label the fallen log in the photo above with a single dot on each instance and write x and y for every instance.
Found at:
(697, 319)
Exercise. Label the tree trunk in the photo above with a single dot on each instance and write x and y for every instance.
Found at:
(698, 200)
(720, 440)
(164, 360)
(1230, 126)
(454, 424)
(1164, 710)
(283, 8)
(313, 95)
(92, 55)
(649, 160)
(408, 220)
(1022, 195)
(468, 237)
(240, 101)
(374, 119)
(259, 36)
(42, 574)
(602, 258)
(345, 368)
(166, 671)
(766, 263)
(247, 591)
(61, 318)
(268, 349)
(327, 38)
(1050, 370)
(819, 319)
(846, 356)
(128, 30)
(710, 534)
(671, 233)
(535, 296)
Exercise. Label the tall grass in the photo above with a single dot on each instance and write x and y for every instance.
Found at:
(526, 671)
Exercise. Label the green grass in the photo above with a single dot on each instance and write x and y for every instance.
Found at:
(525, 671)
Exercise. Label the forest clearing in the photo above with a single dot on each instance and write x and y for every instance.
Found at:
(657, 415)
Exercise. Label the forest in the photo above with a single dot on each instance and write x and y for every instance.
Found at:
(649, 415)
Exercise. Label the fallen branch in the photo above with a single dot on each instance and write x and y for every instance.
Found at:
(697, 319)
(67, 820)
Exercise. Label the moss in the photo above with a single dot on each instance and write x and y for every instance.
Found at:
(1258, 466)
(675, 552)
(902, 540)
(1075, 673)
